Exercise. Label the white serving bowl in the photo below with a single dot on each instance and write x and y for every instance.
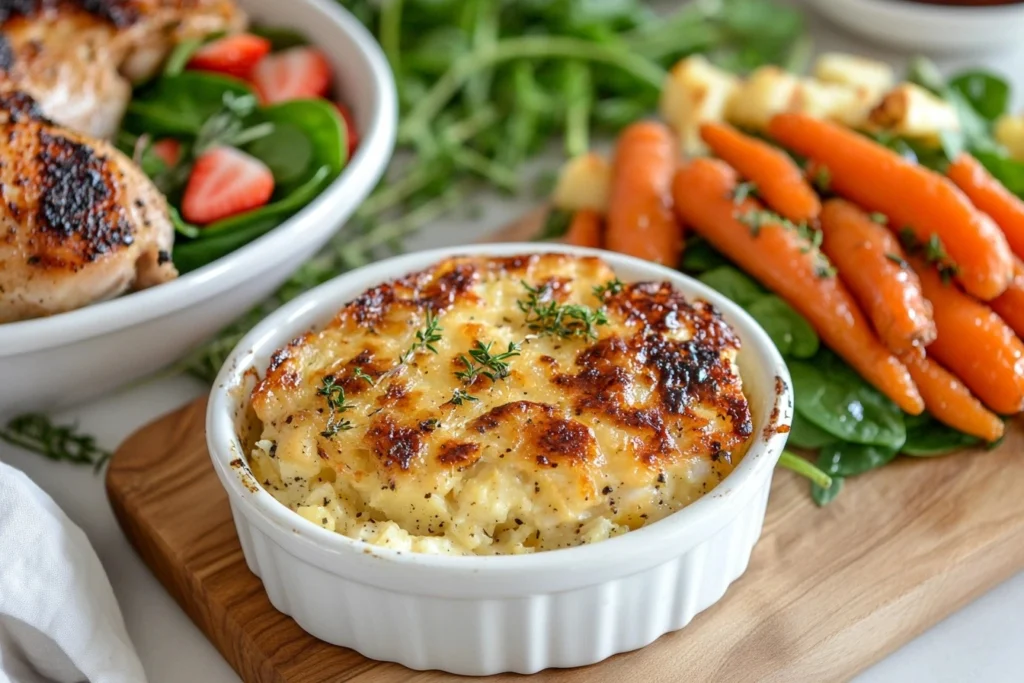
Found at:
(486, 615)
(50, 362)
(914, 27)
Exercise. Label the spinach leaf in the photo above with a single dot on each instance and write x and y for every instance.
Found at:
(734, 284)
(223, 237)
(927, 437)
(832, 396)
(793, 335)
(822, 496)
(320, 123)
(280, 38)
(925, 73)
(180, 226)
(851, 459)
(975, 95)
(1009, 172)
(286, 150)
(700, 256)
(805, 434)
(180, 105)
(986, 93)
(178, 59)
(556, 224)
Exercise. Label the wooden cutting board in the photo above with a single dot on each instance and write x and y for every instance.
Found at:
(828, 591)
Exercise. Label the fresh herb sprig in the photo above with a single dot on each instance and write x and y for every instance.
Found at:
(612, 287)
(481, 362)
(933, 251)
(37, 433)
(336, 403)
(425, 338)
(460, 396)
(359, 373)
(743, 191)
(544, 315)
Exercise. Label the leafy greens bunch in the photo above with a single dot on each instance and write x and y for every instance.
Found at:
(485, 85)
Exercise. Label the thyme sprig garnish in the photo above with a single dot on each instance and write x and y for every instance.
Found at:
(547, 316)
(460, 396)
(358, 373)
(755, 219)
(482, 362)
(37, 433)
(612, 287)
(897, 259)
(933, 251)
(822, 179)
(743, 191)
(336, 403)
(425, 338)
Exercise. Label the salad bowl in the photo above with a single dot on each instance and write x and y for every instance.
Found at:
(47, 363)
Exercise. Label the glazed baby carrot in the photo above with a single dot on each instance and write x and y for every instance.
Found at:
(912, 196)
(974, 343)
(1010, 306)
(640, 219)
(778, 179)
(585, 229)
(872, 264)
(950, 402)
(990, 196)
(788, 264)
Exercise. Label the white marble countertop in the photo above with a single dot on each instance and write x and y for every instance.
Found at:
(982, 642)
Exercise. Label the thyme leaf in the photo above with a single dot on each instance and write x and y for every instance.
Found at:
(37, 433)
(546, 316)
(336, 403)
(482, 362)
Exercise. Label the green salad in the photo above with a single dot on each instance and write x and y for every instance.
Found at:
(239, 133)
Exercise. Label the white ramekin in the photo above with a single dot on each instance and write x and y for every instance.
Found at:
(51, 362)
(486, 615)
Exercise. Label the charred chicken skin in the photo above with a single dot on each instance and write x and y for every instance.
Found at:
(79, 222)
(78, 58)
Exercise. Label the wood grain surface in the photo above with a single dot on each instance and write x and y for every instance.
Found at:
(828, 591)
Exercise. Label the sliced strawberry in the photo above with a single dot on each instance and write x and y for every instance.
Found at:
(167, 150)
(235, 55)
(351, 134)
(224, 182)
(292, 74)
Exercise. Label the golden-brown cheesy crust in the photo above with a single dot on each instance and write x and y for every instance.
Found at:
(585, 438)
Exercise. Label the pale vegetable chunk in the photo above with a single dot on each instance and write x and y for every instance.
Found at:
(873, 78)
(768, 91)
(695, 91)
(1009, 132)
(911, 111)
(583, 183)
(840, 103)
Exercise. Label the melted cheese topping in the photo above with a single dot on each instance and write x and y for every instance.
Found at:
(586, 437)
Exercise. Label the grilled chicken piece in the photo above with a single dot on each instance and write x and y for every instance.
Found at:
(79, 222)
(77, 58)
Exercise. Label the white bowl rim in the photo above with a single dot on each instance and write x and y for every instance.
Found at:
(975, 16)
(365, 167)
(953, 12)
(321, 545)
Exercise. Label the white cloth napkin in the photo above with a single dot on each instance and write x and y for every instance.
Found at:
(59, 620)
